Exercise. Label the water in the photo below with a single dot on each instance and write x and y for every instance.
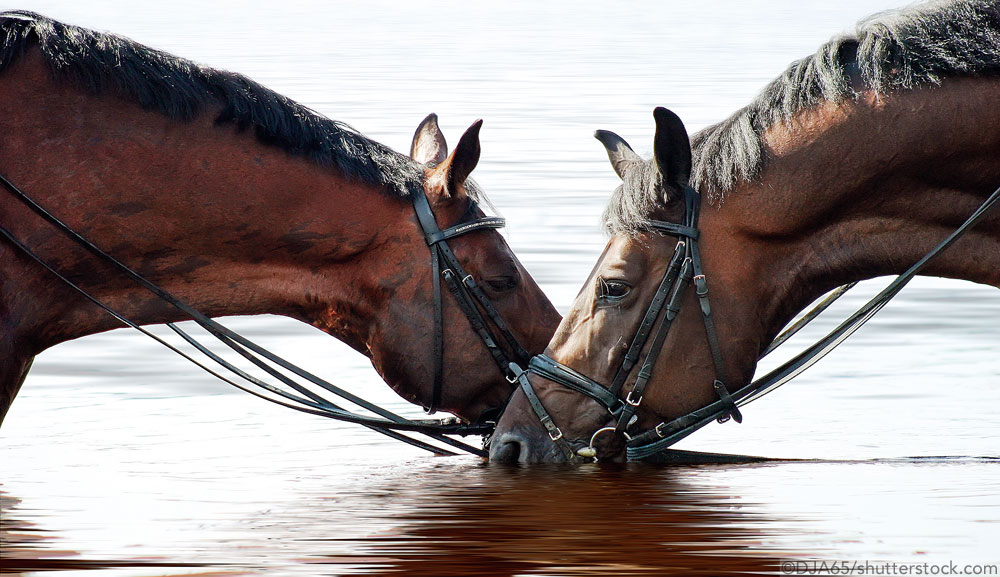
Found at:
(118, 459)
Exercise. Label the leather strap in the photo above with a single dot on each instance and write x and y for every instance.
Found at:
(555, 434)
(649, 319)
(462, 228)
(475, 317)
(646, 371)
(438, 351)
(718, 385)
(554, 371)
(674, 229)
(470, 285)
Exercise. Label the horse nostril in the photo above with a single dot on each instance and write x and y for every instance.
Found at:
(508, 450)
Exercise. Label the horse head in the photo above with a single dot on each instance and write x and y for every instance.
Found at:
(609, 337)
(457, 368)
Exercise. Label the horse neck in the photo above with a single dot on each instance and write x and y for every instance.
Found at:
(859, 190)
(225, 223)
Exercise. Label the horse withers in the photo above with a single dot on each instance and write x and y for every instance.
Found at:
(854, 164)
(238, 201)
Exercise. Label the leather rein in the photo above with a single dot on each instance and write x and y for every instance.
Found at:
(683, 269)
(445, 268)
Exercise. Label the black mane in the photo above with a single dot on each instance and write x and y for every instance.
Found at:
(890, 51)
(102, 63)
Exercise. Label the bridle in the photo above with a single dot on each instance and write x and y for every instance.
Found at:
(445, 266)
(466, 291)
(683, 269)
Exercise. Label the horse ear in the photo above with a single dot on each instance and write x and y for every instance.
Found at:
(449, 177)
(620, 153)
(671, 148)
(429, 145)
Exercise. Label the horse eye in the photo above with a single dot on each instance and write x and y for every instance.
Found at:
(502, 283)
(612, 290)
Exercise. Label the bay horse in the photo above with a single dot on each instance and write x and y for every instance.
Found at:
(237, 200)
(853, 164)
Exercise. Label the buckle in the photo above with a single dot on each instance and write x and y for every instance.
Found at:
(658, 429)
(732, 410)
(513, 372)
(555, 434)
(629, 400)
(700, 285)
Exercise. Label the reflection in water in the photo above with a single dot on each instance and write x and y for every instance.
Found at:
(468, 518)
(584, 521)
(27, 547)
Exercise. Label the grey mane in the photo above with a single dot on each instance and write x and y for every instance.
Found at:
(897, 50)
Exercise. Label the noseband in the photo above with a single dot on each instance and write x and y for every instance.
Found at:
(684, 268)
(466, 291)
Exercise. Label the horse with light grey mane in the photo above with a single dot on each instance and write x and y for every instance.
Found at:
(854, 163)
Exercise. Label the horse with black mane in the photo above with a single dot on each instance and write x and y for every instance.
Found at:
(855, 163)
(237, 200)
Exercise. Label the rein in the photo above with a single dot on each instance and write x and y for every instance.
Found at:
(466, 292)
(684, 268)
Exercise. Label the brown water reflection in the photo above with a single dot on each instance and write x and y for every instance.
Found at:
(592, 521)
(470, 519)
(26, 547)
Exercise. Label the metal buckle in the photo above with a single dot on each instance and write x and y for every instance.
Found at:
(469, 281)
(658, 429)
(555, 435)
(700, 284)
(514, 372)
(635, 403)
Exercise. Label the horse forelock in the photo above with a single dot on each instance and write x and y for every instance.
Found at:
(640, 196)
(897, 50)
(102, 63)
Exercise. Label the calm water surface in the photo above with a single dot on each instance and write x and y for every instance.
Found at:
(118, 459)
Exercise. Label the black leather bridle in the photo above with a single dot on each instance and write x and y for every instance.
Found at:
(683, 269)
(468, 294)
(466, 291)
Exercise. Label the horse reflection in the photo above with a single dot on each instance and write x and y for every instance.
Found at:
(509, 521)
